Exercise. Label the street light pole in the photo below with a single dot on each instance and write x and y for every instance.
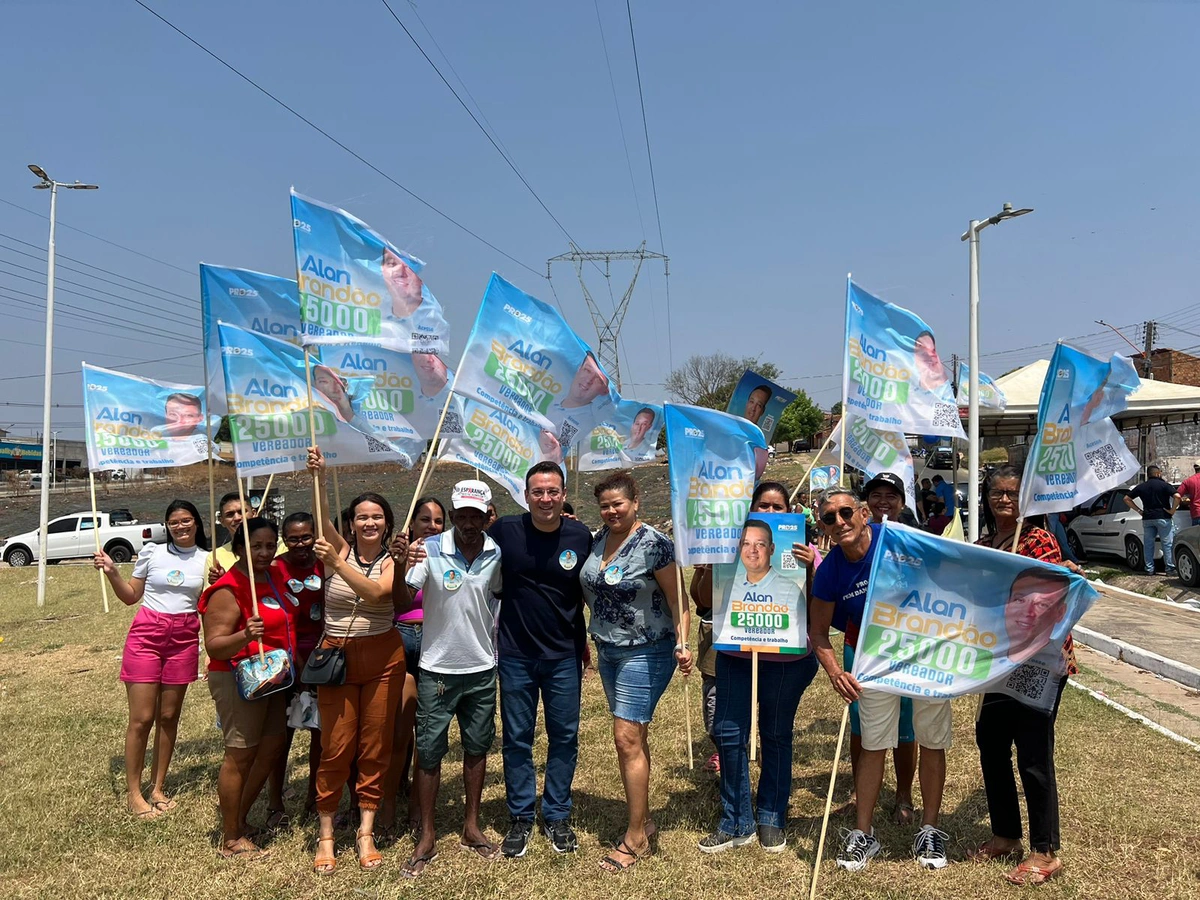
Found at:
(972, 235)
(47, 183)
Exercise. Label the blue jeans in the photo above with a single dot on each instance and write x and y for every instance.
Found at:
(780, 687)
(1165, 529)
(558, 681)
(634, 678)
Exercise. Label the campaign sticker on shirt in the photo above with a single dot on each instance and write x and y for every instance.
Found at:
(314, 612)
(567, 559)
(452, 580)
(292, 598)
(613, 574)
(270, 602)
(175, 578)
(295, 584)
(313, 581)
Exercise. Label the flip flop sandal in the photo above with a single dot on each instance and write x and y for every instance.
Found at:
(985, 852)
(410, 870)
(367, 861)
(277, 820)
(482, 849)
(615, 866)
(1026, 874)
(163, 805)
(327, 864)
(147, 814)
(246, 851)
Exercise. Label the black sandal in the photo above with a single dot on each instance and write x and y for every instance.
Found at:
(615, 866)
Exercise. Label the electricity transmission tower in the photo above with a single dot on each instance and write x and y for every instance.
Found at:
(608, 325)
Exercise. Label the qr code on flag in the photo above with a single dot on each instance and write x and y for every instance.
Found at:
(566, 434)
(1105, 461)
(789, 563)
(945, 415)
(453, 423)
(1028, 681)
(374, 445)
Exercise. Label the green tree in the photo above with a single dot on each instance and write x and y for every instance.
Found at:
(710, 380)
(836, 409)
(801, 419)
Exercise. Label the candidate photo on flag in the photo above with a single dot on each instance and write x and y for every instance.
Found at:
(356, 286)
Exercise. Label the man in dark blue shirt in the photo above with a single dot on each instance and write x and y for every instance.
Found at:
(541, 641)
(1159, 501)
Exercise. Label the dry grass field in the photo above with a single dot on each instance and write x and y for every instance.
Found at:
(1129, 799)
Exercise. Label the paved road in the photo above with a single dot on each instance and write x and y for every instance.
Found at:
(1170, 631)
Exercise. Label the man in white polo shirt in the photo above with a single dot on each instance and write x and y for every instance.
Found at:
(460, 575)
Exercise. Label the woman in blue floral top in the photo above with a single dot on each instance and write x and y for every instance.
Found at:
(629, 581)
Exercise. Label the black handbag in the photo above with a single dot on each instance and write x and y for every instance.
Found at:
(326, 665)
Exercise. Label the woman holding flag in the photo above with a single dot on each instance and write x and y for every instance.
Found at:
(1005, 721)
(629, 582)
(254, 731)
(357, 716)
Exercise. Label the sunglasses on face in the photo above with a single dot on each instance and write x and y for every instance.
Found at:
(831, 517)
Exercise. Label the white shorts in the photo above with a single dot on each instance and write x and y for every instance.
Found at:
(879, 716)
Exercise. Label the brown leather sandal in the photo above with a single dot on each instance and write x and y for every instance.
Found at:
(324, 864)
(367, 861)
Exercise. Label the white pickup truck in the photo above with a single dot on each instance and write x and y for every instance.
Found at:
(73, 537)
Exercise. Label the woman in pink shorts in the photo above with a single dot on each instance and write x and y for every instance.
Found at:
(162, 650)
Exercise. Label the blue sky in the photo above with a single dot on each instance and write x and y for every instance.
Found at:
(792, 143)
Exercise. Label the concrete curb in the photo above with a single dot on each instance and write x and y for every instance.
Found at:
(1174, 604)
(1136, 656)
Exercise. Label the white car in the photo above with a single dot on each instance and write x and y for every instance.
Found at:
(72, 537)
(1107, 527)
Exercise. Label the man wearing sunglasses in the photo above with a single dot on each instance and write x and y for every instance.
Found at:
(839, 596)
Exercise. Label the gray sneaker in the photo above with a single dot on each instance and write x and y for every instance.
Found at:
(772, 839)
(720, 841)
(929, 847)
(517, 841)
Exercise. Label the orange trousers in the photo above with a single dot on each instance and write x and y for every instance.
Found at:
(358, 718)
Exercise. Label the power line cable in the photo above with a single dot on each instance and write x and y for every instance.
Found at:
(170, 315)
(61, 224)
(311, 124)
(653, 182)
(88, 314)
(620, 120)
(41, 254)
(128, 365)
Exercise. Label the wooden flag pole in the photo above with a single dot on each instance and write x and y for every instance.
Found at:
(212, 489)
(312, 434)
(250, 563)
(753, 705)
(337, 501)
(687, 694)
(812, 465)
(96, 533)
(837, 755)
(437, 433)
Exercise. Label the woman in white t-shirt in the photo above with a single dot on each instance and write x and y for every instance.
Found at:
(162, 650)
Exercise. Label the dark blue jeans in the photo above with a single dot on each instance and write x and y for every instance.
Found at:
(558, 682)
(780, 687)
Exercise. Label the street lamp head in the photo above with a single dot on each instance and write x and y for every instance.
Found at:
(78, 186)
(39, 172)
(1007, 212)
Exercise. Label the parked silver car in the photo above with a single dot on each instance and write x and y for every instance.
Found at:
(1109, 527)
(1187, 555)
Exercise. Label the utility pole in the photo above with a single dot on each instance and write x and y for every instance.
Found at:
(1151, 333)
(608, 327)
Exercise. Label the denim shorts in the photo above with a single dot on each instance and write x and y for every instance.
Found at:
(635, 677)
(411, 635)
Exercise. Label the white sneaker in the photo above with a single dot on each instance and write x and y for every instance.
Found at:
(929, 847)
(858, 850)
